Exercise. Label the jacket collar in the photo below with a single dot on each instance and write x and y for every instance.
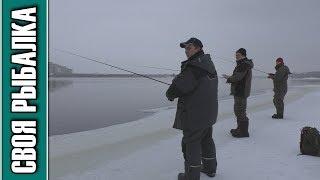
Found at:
(200, 53)
(241, 61)
(278, 66)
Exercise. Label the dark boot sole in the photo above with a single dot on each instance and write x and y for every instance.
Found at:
(277, 117)
(209, 174)
(233, 131)
(240, 135)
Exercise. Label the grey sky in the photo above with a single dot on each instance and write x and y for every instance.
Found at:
(130, 33)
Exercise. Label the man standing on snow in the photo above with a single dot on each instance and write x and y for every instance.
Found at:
(280, 87)
(196, 88)
(240, 89)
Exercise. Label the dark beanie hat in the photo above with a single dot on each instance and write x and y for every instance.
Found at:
(279, 60)
(242, 51)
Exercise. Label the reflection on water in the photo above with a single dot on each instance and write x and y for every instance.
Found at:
(55, 84)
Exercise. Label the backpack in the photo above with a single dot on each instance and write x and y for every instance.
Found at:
(310, 141)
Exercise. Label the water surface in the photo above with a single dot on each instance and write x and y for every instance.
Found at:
(80, 104)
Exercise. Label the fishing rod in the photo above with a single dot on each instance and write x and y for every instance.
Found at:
(227, 60)
(152, 67)
(217, 57)
(116, 67)
(145, 76)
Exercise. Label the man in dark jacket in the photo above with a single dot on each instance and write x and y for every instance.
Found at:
(280, 87)
(240, 89)
(196, 89)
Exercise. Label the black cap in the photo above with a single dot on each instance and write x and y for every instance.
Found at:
(242, 51)
(196, 42)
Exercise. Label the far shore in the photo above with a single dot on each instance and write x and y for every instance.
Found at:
(83, 75)
(88, 75)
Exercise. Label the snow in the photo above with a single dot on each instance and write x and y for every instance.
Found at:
(149, 149)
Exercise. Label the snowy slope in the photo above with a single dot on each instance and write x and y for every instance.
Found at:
(149, 149)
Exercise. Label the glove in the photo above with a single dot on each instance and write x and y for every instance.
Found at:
(270, 75)
(169, 95)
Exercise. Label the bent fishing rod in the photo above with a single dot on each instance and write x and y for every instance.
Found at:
(152, 67)
(141, 75)
(107, 64)
(227, 60)
(217, 57)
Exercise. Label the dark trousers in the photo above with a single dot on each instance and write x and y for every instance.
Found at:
(278, 103)
(196, 146)
(240, 108)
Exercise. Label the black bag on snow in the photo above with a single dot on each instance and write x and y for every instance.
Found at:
(310, 141)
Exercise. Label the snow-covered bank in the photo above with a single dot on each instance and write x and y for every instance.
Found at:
(149, 148)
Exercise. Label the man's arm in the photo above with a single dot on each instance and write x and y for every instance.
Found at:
(173, 92)
(238, 75)
(182, 84)
(270, 75)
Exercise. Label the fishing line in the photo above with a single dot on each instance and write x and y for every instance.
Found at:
(217, 57)
(228, 60)
(145, 76)
(153, 67)
(116, 67)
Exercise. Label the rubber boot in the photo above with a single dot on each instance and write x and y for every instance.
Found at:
(209, 167)
(277, 116)
(191, 172)
(182, 176)
(243, 131)
(236, 129)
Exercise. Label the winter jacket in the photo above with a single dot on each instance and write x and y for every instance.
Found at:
(196, 88)
(280, 79)
(241, 78)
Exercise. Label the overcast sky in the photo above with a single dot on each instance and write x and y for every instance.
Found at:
(133, 33)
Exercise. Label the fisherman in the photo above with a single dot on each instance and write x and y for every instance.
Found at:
(280, 87)
(240, 89)
(196, 88)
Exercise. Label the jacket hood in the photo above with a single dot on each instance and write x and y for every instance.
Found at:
(284, 67)
(249, 62)
(204, 62)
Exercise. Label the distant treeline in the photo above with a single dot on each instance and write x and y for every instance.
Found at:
(111, 75)
(313, 74)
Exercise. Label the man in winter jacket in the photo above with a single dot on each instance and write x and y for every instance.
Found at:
(280, 87)
(240, 82)
(196, 89)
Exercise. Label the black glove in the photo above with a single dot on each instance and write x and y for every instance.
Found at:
(270, 75)
(173, 92)
(169, 95)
